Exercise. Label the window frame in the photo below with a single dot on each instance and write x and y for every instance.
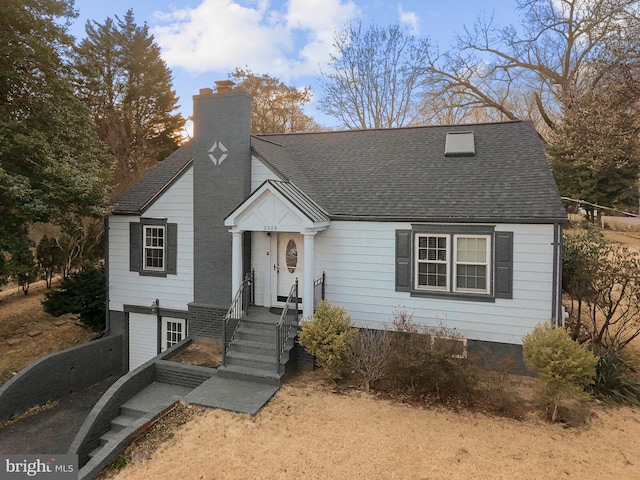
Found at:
(418, 262)
(488, 264)
(501, 275)
(168, 339)
(137, 247)
(145, 248)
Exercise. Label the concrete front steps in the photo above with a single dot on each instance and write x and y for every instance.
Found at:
(252, 353)
(137, 411)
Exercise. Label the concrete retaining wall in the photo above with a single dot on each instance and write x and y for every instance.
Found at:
(108, 407)
(98, 422)
(58, 374)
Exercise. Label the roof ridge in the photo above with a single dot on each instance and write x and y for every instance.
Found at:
(381, 129)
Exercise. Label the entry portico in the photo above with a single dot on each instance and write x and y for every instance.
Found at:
(287, 216)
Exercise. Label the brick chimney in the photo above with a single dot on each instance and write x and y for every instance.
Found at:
(223, 86)
(222, 180)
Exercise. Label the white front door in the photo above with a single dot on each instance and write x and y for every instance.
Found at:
(288, 266)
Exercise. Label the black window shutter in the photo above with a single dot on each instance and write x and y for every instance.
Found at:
(504, 265)
(403, 260)
(135, 247)
(172, 248)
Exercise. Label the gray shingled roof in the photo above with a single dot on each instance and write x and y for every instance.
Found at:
(403, 174)
(397, 174)
(143, 193)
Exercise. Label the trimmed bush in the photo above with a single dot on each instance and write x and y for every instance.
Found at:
(329, 335)
(564, 367)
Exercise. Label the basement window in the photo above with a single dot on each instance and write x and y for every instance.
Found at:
(460, 144)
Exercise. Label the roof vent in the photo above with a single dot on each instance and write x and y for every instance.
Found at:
(460, 144)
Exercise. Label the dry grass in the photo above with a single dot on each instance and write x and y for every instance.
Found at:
(22, 315)
(307, 431)
(310, 431)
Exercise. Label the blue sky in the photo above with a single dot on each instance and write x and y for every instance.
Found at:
(203, 40)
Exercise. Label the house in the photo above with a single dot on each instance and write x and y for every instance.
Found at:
(459, 225)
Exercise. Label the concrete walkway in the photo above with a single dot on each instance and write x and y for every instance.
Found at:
(156, 396)
(232, 394)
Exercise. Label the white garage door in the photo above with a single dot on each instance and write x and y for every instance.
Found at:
(143, 338)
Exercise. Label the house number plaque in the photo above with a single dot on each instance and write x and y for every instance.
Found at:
(270, 228)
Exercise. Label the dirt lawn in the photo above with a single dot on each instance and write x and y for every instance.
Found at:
(28, 333)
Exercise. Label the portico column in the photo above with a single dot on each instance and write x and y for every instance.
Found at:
(236, 261)
(309, 271)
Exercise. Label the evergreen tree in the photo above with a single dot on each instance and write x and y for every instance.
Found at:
(52, 166)
(595, 149)
(83, 293)
(127, 86)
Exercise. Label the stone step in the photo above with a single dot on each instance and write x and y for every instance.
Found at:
(257, 326)
(252, 335)
(131, 409)
(94, 452)
(123, 421)
(104, 439)
(249, 374)
(250, 346)
(251, 360)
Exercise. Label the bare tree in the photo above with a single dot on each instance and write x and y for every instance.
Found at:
(529, 72)
(603, 276)
(375, 78)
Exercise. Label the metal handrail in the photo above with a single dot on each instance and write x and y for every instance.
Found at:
(318, 290)
(238, 310)
(288, 319)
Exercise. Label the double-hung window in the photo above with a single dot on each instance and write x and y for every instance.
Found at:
(153, 247)
(432, 262)
(472, 262)
(154, 243)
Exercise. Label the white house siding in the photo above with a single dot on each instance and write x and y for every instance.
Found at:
(173, 291)
(259, 173)
(143, 338)
(359, 260)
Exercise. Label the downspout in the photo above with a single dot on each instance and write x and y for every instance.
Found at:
(107, 320)
(561, 315)
(555, 311)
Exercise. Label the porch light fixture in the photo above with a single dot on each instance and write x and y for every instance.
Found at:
(155, 306)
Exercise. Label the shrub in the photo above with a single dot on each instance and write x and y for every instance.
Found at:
(371, 351)
(604, 276)
(329, 336)
(82, 293)
(563, 366)
(22, 266)
(427, 362)
(613, 381)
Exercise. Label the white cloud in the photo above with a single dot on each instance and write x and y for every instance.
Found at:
(410, 19)
(219, 35)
